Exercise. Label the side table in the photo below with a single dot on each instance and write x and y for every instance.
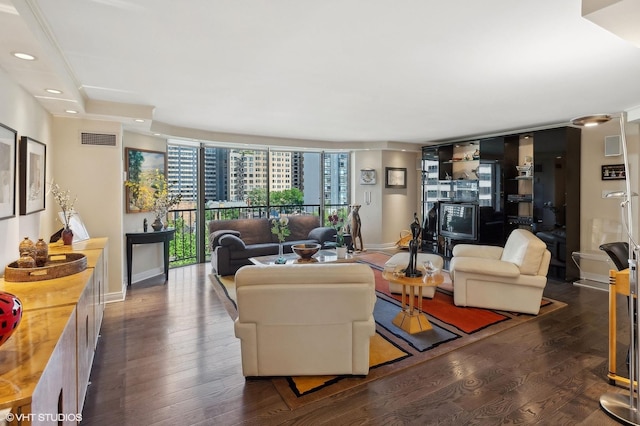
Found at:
(163, 236)
(410, 318)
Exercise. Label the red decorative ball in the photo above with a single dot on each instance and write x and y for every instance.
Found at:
(10, 315)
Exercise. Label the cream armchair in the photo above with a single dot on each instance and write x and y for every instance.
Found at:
(402, 260)
(305, 319)
(509, 279)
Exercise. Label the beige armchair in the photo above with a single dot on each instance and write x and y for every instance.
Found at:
(304, 319)
(509, 279)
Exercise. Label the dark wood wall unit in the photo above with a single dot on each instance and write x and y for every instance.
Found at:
(510, 161)
(545, 201)
(445, 154)
(491, 219)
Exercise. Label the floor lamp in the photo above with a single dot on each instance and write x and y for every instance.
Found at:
(622, 408)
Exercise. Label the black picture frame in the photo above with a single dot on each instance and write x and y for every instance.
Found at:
(33, 172)
(613, 172)
(395, 177)
(139, 163)
(8, 143)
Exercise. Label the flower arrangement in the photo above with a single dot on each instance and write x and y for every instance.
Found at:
(63, 198)
(153, 194)
(338, 224)
(280, 228)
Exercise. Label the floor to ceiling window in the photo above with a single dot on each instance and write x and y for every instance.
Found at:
(218, 183)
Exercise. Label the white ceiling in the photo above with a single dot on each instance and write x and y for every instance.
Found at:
(413, 71)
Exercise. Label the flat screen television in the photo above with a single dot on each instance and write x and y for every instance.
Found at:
(459, 221)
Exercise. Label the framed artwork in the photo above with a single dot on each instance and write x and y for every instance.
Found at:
(613, 172)
(395, 177)
(33, 161)
(8, 140)
(367, 177)
(142, 167)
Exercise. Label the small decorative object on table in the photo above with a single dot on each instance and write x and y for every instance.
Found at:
(280, 228)
(144, 225)
(10, 315)
(42, 252)
(27, 247)
(63, 198)
(26, 261)
(416, 231)
(306, 251)
(338, 225)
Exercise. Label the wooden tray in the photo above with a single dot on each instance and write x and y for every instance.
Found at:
(58, 265)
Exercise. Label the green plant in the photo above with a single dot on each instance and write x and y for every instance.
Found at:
(338, 224)
(280, 228)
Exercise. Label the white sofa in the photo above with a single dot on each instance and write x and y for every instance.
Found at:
(402, 260)
(305, 319)
(509, 279)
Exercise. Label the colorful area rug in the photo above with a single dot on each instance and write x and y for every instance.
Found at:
(391, 348)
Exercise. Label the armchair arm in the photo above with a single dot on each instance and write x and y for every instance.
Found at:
(214, 237)
(232, 241)
(322, 234)
(484, 266)
(473, 250)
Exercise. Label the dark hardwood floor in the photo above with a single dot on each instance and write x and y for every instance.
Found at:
(167, 355)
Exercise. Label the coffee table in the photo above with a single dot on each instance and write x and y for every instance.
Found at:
(410, 318)
(322, 256)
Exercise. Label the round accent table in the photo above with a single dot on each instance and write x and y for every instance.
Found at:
(410, 318)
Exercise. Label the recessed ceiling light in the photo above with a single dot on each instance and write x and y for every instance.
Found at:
(25, 56)
(54, 91)
(71, 111)
(139, 120)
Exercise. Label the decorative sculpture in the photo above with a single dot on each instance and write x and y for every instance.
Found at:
(416, 230)
(356, 232)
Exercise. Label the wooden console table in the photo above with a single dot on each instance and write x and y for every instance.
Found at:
(163, 236)
(47, 361)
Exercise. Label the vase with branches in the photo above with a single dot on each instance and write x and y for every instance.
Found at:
(66, 203)
(280, 228)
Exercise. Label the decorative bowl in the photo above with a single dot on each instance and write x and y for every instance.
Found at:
(305, 251)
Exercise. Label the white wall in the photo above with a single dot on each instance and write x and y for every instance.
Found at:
(600, 217)
(94, 175)
(21, 112)
(391, 210)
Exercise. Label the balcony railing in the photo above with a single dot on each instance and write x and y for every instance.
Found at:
(183, 249)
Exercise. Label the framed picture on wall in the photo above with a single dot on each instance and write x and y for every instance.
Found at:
(613, 172)
(395, 177)
(33, 161)
(8, 141)
(142, 167)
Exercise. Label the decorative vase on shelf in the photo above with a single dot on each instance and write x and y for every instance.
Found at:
(10, 315)
(281, 259)
(26, 261)
(27, 246)
(42, 252)
(157, 224)
(67, 236)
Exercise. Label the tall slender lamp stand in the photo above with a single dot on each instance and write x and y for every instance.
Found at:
(625, 409)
